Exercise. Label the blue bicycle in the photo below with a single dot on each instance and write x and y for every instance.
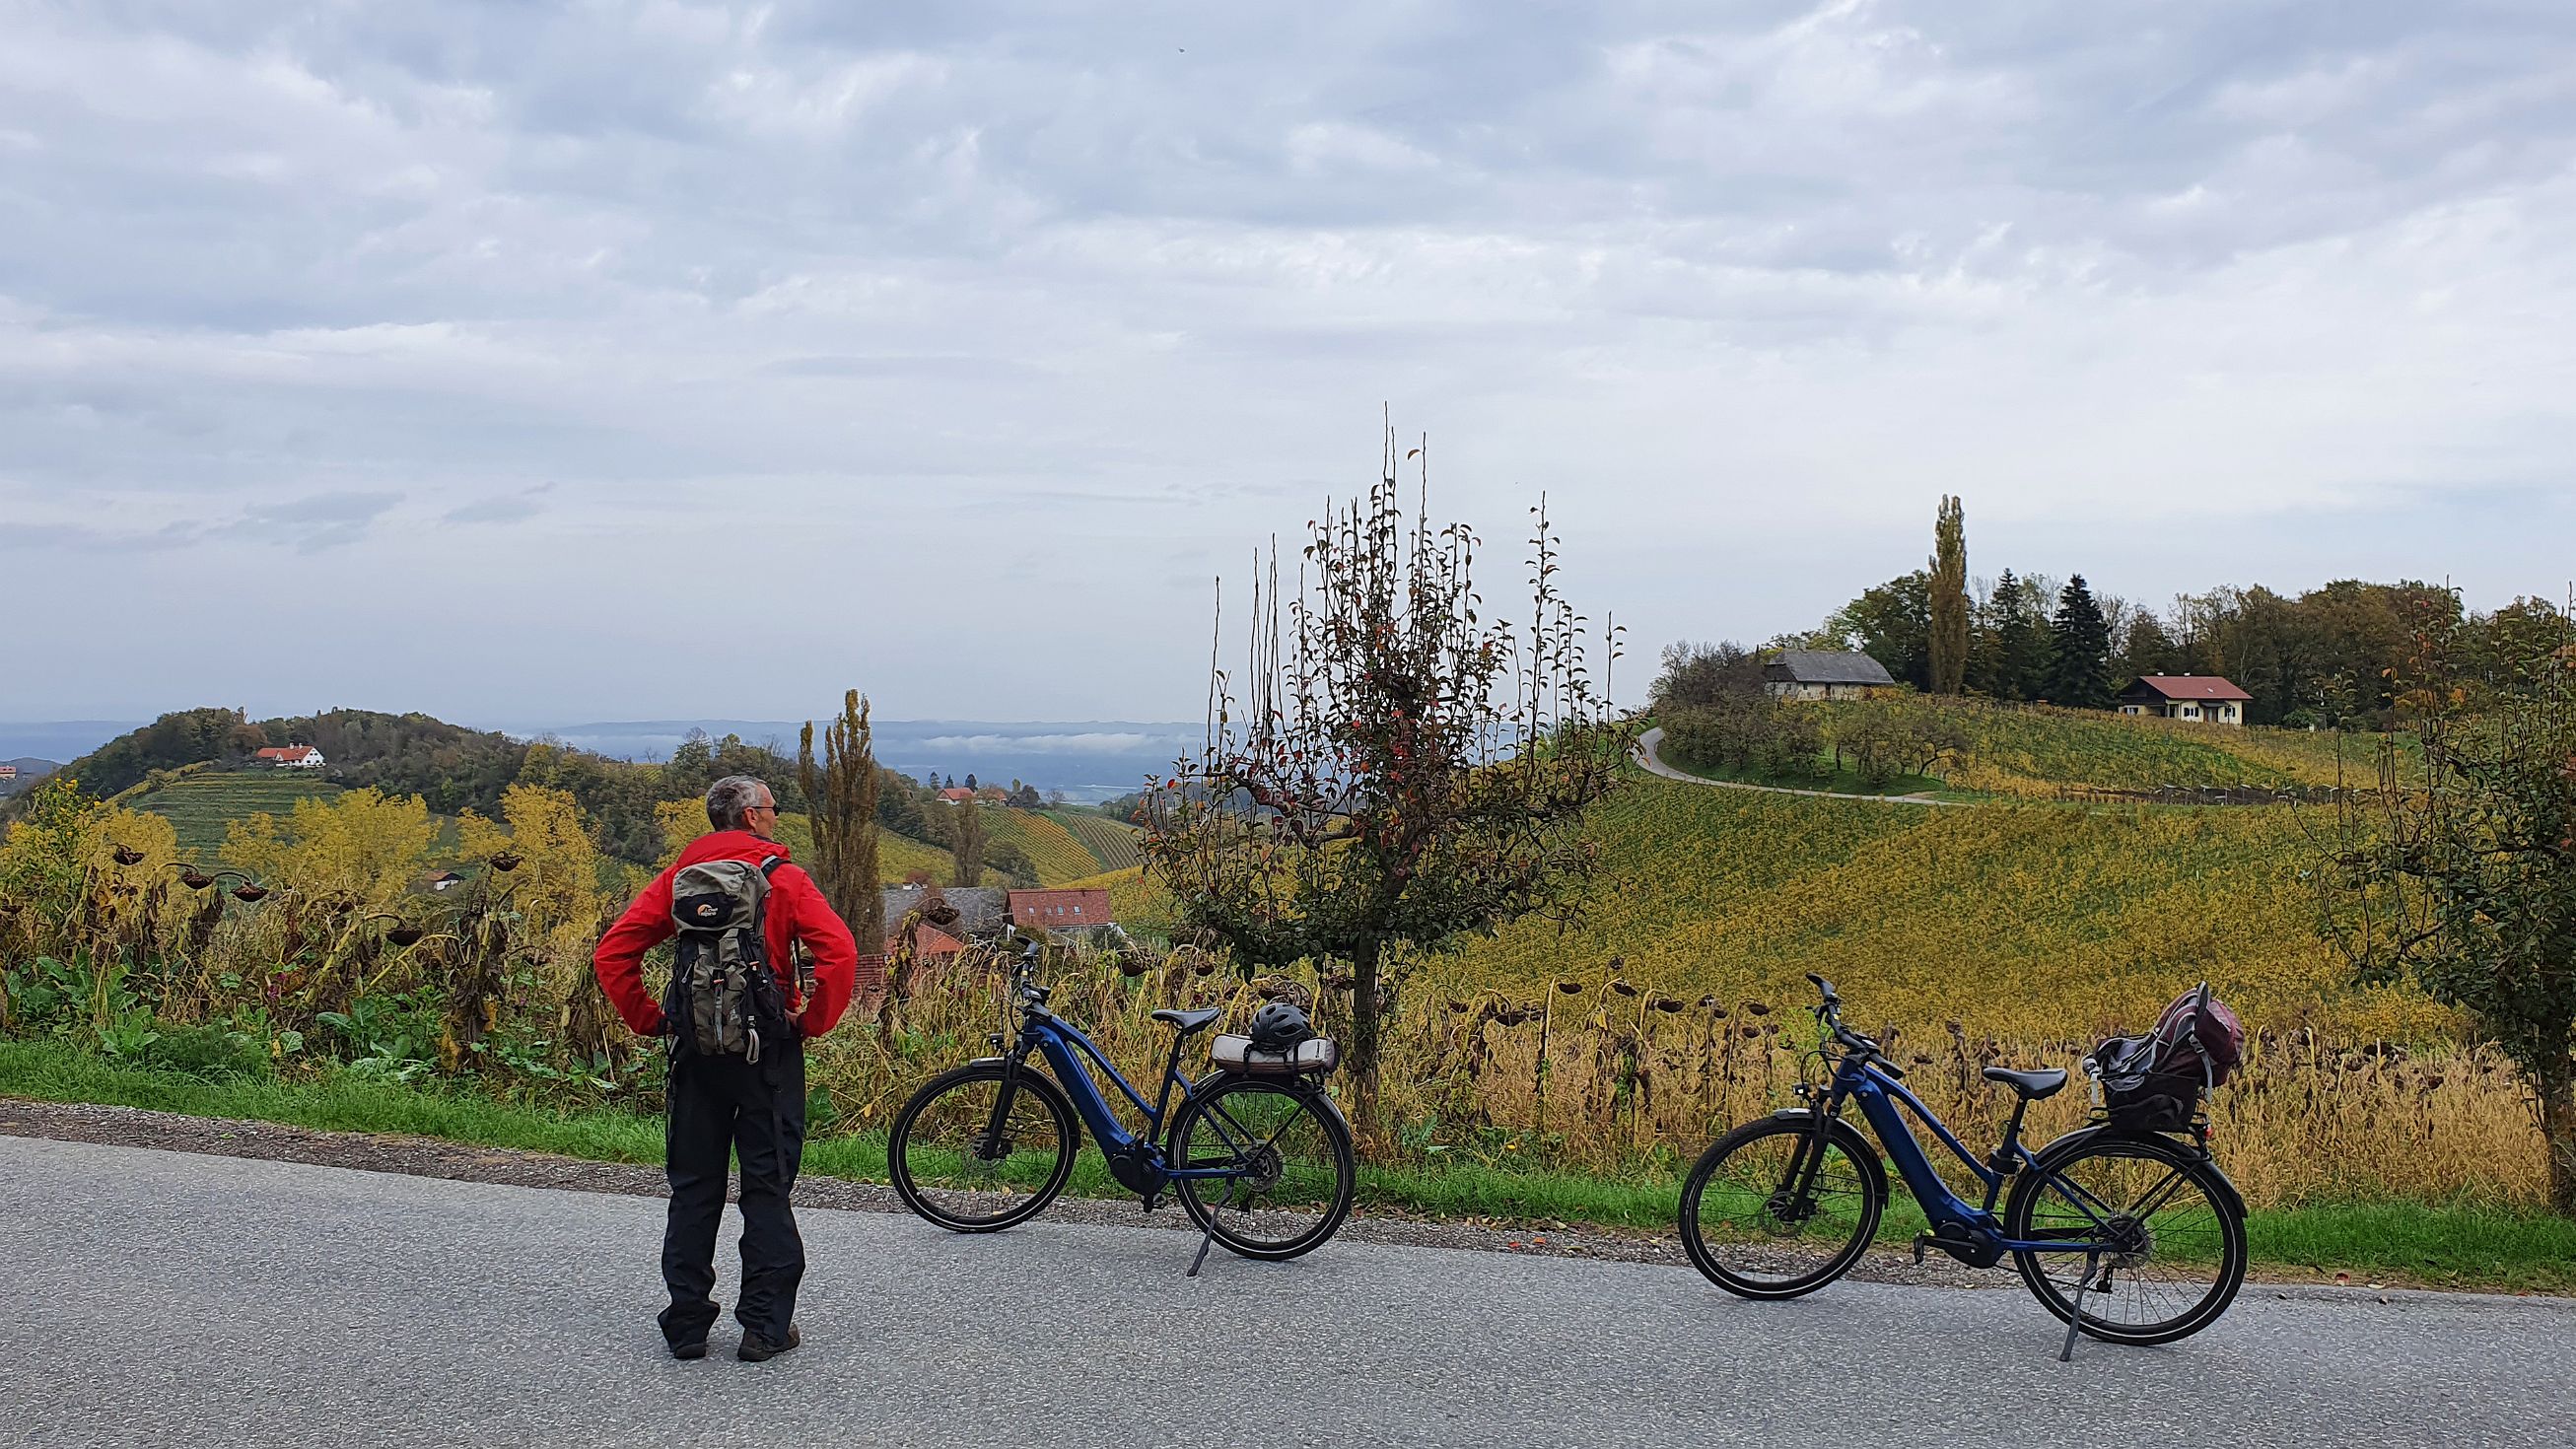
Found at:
(2127, 1236)
(1255, 1150)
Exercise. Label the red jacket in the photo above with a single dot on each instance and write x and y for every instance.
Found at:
(796, 912)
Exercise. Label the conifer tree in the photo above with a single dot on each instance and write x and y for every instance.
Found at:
(2079, 674)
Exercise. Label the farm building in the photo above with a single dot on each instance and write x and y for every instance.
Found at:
(957, 795)
(1060, 910)
(292, 757)
(2204, 697)
(1824, 674)
(974, 913)
(441, 880)
(8, 773)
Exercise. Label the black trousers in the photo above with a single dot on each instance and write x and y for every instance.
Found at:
(722, 1107)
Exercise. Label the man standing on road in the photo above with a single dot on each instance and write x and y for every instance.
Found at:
(737, 1015)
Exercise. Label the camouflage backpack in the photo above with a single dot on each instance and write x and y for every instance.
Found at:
(724, 997)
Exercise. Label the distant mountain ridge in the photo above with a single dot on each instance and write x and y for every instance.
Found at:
(60, 739)
(1089, 760)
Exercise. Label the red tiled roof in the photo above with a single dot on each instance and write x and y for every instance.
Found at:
(1057, 909)
(929, 941)
(2191, 686)
(285, 752)
(956, 793)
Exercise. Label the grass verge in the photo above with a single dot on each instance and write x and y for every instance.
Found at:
(2421, 1244)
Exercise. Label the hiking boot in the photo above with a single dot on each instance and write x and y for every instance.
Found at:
(756, 1349)
(696, 1349)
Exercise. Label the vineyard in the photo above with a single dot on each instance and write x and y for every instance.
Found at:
(1053, 849)
(1111, 843)
(2031, 750)
(202, 805)
(2025, 920)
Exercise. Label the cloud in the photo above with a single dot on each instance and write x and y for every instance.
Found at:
(502, 508)
(883, 303)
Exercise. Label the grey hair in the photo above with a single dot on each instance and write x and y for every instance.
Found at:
(729, 798)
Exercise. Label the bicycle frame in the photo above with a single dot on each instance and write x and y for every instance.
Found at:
(1884, 1100)
(1072, 1055)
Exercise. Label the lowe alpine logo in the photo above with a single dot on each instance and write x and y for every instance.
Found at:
(706, 909)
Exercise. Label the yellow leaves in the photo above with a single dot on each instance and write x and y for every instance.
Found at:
(478, 839)
(361, 844)
(557, 881)
(680, 822)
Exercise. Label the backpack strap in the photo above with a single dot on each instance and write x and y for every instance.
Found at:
(794, 963)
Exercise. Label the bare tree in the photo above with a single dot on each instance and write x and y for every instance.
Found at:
(1400, 769)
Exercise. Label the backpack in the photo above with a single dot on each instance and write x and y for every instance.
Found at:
(2155, 1082)
(724, 997)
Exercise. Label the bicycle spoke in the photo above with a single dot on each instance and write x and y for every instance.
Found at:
(1284, 1178)
(966, 1170)
(2169, 1242)
(1756, 1226)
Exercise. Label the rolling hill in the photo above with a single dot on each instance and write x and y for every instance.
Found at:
(2021, 915)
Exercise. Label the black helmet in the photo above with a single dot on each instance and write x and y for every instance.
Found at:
(1279, 1027)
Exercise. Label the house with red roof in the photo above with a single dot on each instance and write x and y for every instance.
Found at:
(1060, 910)
(2203, 697)
(291, 757)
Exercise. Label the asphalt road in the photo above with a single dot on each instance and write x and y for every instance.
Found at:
(210, 1301)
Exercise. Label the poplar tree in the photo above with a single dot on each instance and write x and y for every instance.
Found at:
(842, 796)
(1949, 633)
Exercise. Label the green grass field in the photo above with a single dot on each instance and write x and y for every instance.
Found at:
(2395, 1242)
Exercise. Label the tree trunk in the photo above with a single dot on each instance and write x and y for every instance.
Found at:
(1364, 1036)
(2556, 1087)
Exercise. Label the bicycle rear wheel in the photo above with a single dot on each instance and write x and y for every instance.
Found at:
(952, 1168)
(2174, 1229)
(1287, 1156)
(1757, 1223)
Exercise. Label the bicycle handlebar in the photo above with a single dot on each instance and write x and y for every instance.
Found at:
(1829, 1013)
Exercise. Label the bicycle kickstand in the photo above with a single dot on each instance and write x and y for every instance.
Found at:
(2075, 1320)
(1209, 1237)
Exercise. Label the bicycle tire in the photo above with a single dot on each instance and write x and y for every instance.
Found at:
(1867, 1179)
(1033, 1084)
(1308, 1101)
(2225, 1231)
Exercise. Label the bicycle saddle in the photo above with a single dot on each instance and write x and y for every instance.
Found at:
(1190, 1021)
(2032, 1085)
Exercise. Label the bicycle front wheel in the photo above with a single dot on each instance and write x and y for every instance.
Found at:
(2170, 1228)
(1770, 1212)
(1285, 1158)
(962, 1158)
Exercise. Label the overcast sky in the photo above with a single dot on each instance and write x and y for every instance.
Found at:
(549, 363)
